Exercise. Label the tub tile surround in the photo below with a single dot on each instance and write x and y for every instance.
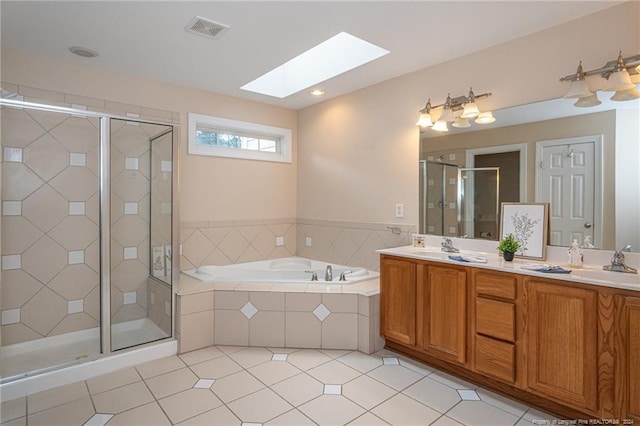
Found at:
(343, 243)
(228, 242)
(293, 316)
(240, 386)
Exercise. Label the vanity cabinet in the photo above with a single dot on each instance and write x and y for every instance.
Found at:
(567, 347)
(398, 300)
(496, 330)
(562, 340)
(627, 375)
(442, 311)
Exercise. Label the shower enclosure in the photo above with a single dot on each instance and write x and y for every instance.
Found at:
(88, 230)
(457, 201)
(438, 187)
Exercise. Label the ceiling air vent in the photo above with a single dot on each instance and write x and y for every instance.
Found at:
(206, 27)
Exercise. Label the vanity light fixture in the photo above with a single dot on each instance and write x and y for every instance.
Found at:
(618, 75)
(449, 112)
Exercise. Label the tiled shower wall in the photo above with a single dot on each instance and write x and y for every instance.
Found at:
(50, 216)
(345, 243)
(50, 245)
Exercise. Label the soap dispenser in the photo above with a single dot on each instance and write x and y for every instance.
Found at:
(574, 255)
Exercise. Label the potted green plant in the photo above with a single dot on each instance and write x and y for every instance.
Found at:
(508, 246)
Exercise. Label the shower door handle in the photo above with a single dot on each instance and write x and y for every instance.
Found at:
(588, 224)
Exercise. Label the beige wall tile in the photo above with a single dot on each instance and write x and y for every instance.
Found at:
(43, 311)
(364, 335)
(46, 157)
(18, 234)
(230, 328)
(196, 330)
(341, 302)
(16, 333)
(76, 322)
(267, 301)
(340, 331)
(302, 302)
(267, 329)
(22, 183)
(192, 303)
(302, 330)
(17, 287)
(45, 208)
(19, 128)
(230, 299)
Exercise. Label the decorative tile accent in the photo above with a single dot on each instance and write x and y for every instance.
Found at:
(248, 310)
(130, 208)
(166, 166)
(10, 316)
(11, 261)
(165, 208)
(75, 306)
(76, 257)
(77, 159)
(321, 312)
(390, 361)
(12, 155)
(130, 253)
(468, 395)
(131, 163)
(76, 208)
(130, 297)
(332, 389)
(11, 208)
(204, 383)
(98, 420)
(279, 357)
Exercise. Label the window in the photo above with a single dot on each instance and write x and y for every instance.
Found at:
(222, 137)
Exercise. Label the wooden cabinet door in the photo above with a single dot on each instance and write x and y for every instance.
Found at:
(627, 375)
(443, 312)
(562, 343)
(398, 300)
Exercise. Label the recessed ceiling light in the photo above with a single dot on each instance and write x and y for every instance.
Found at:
(328, 59)
(317, 92)
(83, 51)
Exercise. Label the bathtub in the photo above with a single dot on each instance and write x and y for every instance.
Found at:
(284, 270)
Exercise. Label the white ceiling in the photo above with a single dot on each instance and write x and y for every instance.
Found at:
(147, 38)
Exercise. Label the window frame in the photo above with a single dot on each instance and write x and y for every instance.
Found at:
(206, 122)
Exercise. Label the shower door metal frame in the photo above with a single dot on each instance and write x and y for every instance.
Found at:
(443, 190)
(105, 231)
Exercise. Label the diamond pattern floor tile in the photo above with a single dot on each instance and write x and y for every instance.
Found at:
(234, 385)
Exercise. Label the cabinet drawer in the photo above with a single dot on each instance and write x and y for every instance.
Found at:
(495, 319)
(495, 358)
(496, 285)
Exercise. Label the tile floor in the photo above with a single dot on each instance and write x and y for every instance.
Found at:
(228, 385)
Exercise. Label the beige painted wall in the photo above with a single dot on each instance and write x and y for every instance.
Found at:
(365, 145)
(213, 189)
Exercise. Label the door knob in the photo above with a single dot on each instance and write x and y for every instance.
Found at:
(588, 224)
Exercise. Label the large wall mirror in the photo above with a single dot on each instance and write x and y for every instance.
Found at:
(584, 161)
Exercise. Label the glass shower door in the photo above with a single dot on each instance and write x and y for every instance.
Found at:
(140, 215)
(50, 286)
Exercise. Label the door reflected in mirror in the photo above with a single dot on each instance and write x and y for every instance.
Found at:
(612, 219)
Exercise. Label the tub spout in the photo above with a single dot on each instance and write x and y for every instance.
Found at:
(328, 273)
(314, 276)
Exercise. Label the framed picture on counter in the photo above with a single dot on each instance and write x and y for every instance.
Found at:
(529, 224)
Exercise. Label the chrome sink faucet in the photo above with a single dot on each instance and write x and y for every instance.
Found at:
(447, 246)
(617, 262)
(328, 273)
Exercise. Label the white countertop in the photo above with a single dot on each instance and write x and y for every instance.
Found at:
(588, 274)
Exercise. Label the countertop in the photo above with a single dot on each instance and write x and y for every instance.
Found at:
(588, 274)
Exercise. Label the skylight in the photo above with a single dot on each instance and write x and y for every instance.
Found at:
(339, 54)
